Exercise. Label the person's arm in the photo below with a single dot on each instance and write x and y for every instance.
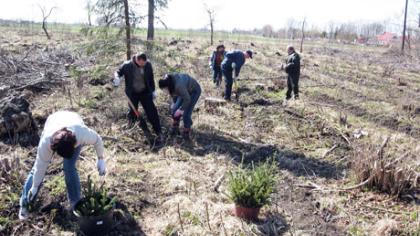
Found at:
(152, 78)
(211, 62)
(119, 74)
(88, 136)
(43, 159)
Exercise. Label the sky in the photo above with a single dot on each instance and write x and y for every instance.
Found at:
(230, 14)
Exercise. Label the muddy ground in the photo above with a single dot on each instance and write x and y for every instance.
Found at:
(344, 88)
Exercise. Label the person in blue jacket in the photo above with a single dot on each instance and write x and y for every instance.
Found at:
(231, 66)
(216, 64)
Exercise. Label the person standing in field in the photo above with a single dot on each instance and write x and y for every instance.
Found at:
(140, 88)
(292, 68)
(216, 64)
(231, 66)
(64, 134)
(186, 91)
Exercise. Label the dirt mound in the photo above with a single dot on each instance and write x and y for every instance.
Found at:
(16, 122)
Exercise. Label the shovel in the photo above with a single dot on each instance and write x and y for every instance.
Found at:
(140, 119)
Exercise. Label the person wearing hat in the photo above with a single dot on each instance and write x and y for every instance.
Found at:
(292, 68)
(140, 88)
(216, 64)
(64, 134)
(185, 91)
(231, 66)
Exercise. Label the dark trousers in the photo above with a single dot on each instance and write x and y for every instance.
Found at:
(292, 86)
(217, 75)
(228, 73)
(146, 100)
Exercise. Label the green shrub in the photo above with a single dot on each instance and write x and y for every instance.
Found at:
(252, 187)
(96, 201)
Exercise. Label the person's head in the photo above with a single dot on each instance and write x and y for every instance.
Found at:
(220, 48)
(63, 143)
(248, 54)
(167, 83)
(141, 59)
(290, 49)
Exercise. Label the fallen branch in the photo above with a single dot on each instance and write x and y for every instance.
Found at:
(180, 219)
(218, 183)
(329, 151)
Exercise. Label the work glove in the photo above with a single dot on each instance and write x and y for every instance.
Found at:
(233, 66)
(210, 65)
(154, 94)
(32, 193)
(100, 164)
(116, 80)
(178, 113)
(172, 106)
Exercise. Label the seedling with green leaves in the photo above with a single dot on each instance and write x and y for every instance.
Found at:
(96, 201)
(252, 188)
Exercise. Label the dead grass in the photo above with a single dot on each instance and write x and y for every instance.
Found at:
(389, 173)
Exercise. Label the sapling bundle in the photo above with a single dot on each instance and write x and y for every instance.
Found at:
(96, 201)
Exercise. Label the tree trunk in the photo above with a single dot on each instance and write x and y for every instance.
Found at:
(127, 29)
(151, 21)
(44, 27)
(211, 32)
(303, 35)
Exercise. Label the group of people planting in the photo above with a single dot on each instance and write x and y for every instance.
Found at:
(65, 132)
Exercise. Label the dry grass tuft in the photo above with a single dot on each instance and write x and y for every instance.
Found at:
(385, 227)
(392, 174)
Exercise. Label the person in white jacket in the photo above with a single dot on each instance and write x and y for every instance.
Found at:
(64, 134)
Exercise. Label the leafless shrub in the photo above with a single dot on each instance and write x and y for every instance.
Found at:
(394, 175)
(388, 71)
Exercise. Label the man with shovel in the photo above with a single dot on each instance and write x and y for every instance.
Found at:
(64, 134)
(140, 88)
(231, 66)
(292, 68)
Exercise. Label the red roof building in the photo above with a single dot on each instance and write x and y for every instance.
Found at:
(387, 38)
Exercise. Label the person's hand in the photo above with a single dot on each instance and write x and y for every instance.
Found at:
(233, 66)
(178, 113)
(32, 193)
(100, 164)
(154, 94)
(117, 79)
(172, 106)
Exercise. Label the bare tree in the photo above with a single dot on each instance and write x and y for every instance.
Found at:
(405, 26)
(210, 13)
(267, 31)
(127, 28)
(303, 34)
(89, 9)
(153, 6)
(45, 15)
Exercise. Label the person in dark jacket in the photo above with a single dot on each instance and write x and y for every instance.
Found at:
(140, 88)
(231, 66)
(216, 64)
(186, 91)
(292, 69)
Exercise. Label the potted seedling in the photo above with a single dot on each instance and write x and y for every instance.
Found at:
(250, 189)
(95, 210)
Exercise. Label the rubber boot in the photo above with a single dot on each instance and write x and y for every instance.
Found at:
(186, 134)
(175, 127)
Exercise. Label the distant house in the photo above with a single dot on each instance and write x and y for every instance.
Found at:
(387, 38)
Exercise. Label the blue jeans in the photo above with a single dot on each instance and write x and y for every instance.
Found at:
(189, 110)
(228, 73)
(71, 178)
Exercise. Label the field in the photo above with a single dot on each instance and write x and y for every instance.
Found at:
(359, 105)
